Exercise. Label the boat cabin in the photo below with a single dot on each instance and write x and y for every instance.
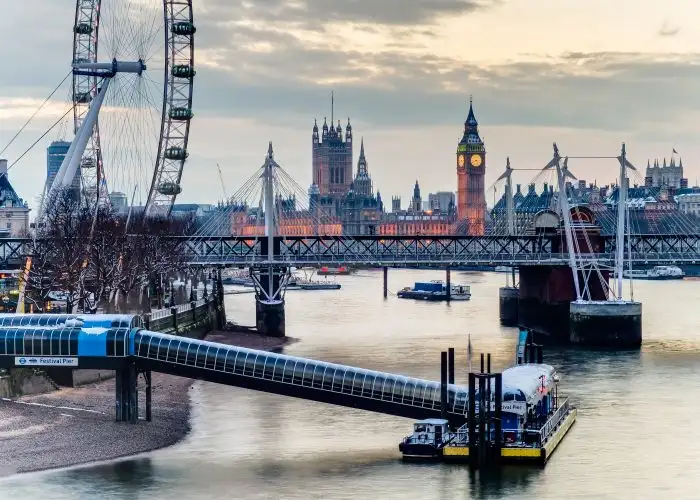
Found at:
(429, 431)
(529, 397)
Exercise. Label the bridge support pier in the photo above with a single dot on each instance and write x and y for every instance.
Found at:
(546, 294)
(270, 285)
(607, 324)
(508, 305)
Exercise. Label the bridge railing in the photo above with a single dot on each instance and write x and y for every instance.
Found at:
(180, 318)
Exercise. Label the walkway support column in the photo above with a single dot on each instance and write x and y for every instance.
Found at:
(149, 395)
(126, 394)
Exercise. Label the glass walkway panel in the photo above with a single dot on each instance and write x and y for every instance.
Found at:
(300, 377)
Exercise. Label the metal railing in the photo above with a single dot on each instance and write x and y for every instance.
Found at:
(533, 437)
(554, 421)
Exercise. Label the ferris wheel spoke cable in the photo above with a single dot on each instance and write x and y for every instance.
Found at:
(36, 112)
(39, 139)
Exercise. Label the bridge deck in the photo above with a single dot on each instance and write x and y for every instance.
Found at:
(407, 250)
(112, 342)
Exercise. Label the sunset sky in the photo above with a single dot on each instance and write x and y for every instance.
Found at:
(588, 74)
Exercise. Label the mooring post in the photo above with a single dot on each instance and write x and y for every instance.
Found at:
(482, 363)
(448, 283)
(471, 420)
(484, 407)
(149, 395)
(498, 423)
(451, 365)
(386, 281)
(488, 363)
(443, 384)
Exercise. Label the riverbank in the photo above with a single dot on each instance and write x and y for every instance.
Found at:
(75, 426)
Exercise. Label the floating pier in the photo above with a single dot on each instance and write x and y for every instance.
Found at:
(516, 416)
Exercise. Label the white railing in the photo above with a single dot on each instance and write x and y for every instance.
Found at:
(554, 421)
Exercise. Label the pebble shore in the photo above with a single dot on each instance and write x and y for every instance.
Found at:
(76, 425)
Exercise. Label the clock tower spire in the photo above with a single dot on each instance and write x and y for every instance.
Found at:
(471, 163)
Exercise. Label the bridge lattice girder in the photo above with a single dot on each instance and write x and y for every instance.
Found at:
(407, 250)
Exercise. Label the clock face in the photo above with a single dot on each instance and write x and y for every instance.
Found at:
(475, 160)
(460, 160)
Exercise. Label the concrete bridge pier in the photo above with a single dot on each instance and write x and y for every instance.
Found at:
(606, 324)
(508, 298)
(270, 284)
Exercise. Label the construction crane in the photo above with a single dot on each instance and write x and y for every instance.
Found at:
(223, 186)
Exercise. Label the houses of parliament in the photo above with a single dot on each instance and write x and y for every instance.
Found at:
(343, 200)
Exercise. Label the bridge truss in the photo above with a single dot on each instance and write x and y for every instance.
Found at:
(432, 251)
(397, 251)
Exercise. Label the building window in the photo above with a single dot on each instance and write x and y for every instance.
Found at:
(9, 225)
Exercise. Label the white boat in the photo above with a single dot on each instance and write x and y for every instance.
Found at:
(655, 273)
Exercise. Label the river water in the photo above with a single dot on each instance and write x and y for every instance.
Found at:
(634, 438)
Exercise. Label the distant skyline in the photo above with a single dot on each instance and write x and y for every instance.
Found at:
(587, 74)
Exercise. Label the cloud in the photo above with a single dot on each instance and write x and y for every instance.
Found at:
(398, 87)
(316, 13)
(668, 30)
(266, 69)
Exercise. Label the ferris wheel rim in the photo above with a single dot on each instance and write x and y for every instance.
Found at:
(177, 95)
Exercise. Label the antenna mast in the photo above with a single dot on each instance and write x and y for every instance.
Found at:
(332, 103)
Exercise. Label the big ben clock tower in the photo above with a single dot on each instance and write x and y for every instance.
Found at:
(471, 162)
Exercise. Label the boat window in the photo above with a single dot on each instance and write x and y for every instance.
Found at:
(420, 428)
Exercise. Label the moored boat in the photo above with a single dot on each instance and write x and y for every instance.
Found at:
(427, 440)
(317, 285)
(655, 273)
(435, 290)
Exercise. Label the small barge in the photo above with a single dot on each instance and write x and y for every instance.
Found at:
(434, 291)
(534, 420)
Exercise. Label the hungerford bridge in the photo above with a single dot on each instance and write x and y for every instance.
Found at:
(398, 251)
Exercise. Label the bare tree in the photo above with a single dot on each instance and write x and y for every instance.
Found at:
(59, 250)
(92, 258)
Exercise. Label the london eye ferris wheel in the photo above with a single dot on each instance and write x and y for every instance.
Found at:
(133, 74)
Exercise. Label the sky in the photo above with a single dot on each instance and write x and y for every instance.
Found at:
(587, 74)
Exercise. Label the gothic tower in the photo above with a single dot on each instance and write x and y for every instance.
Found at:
(332, 159)
(471, 162)
(362, 183)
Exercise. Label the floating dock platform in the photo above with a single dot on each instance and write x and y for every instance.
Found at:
(538, 454)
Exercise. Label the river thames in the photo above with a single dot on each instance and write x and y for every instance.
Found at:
(634, 436)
